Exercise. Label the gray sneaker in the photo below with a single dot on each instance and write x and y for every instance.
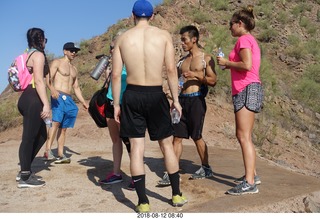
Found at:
(165, 181)
(18, 177)
(257, 180)
(63, 159)
(243, 188)
(203, 172)
(32, 182)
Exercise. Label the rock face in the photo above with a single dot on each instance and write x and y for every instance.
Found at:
(312, 203)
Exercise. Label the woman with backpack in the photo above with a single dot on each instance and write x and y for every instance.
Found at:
(34, 106)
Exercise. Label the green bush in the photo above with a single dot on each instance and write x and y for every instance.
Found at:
(218, 5)
(307, 92)
(296, 48)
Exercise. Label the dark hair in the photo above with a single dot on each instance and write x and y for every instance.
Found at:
(35, 37)
(246, 16)
(192, 31)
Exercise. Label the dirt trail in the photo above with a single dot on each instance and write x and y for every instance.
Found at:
(74, 187)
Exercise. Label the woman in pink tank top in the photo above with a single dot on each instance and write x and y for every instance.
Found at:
(247, 94)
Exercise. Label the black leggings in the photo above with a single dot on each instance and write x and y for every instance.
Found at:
(34, 133)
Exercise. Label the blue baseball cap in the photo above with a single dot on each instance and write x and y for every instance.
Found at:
(142, 8)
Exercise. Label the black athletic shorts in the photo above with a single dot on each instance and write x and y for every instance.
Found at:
(145, 107)
(109, 109)
(192, 119)
(251, 97)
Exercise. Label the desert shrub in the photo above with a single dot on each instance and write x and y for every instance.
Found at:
(307, 92)
(199, 16)
(218, 5)
(312, 73)
(296, 48)
(283, 18)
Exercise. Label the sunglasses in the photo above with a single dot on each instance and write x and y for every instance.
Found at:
(73, 51)
(233, 22)
(45, 40)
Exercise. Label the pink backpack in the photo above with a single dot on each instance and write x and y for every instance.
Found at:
(19, 76)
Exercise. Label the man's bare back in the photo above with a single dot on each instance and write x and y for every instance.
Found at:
(150, 45)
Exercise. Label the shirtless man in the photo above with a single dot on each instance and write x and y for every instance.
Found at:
(64, 110)
(144, 49)
(198, 69)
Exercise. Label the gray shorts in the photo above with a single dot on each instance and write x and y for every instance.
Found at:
(251, 97)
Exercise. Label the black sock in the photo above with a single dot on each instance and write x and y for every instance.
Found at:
(25, 175)
(206, 165)
(175, 183)
(140, 185)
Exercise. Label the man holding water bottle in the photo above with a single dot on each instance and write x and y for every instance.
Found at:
(197, 69)
(144, 49)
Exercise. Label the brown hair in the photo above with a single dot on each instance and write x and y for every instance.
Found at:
(246, 16)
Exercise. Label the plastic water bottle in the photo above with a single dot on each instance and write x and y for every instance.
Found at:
(180, 83)
(48, 122)
(100, 67)
(175, 116)
(221, 54)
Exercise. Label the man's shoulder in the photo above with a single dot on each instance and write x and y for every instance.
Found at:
(57, 61)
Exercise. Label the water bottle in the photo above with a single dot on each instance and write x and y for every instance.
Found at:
(180, 83)
(48, 122)
(175, 116)
(100, 67)
(221, 54)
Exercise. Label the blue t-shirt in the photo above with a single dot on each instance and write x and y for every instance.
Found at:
(123, 85)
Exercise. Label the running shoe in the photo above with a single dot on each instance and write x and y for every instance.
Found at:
(48, 155)
(62, 160)
(131, 186)
(257, 180)
(203, 172)
(165, 181)
(18, 177)
(32, 182)
(143, 208)
(243, 188)
(179, 200)
(111, 179)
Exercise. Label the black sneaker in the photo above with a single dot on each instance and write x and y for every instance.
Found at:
(243, 188)
(18, 177)
(32, 182)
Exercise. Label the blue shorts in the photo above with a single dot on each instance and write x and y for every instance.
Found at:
(64, 110)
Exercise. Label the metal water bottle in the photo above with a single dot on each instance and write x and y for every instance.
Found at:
(100, 67)
(175, 116)
(221, 54)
